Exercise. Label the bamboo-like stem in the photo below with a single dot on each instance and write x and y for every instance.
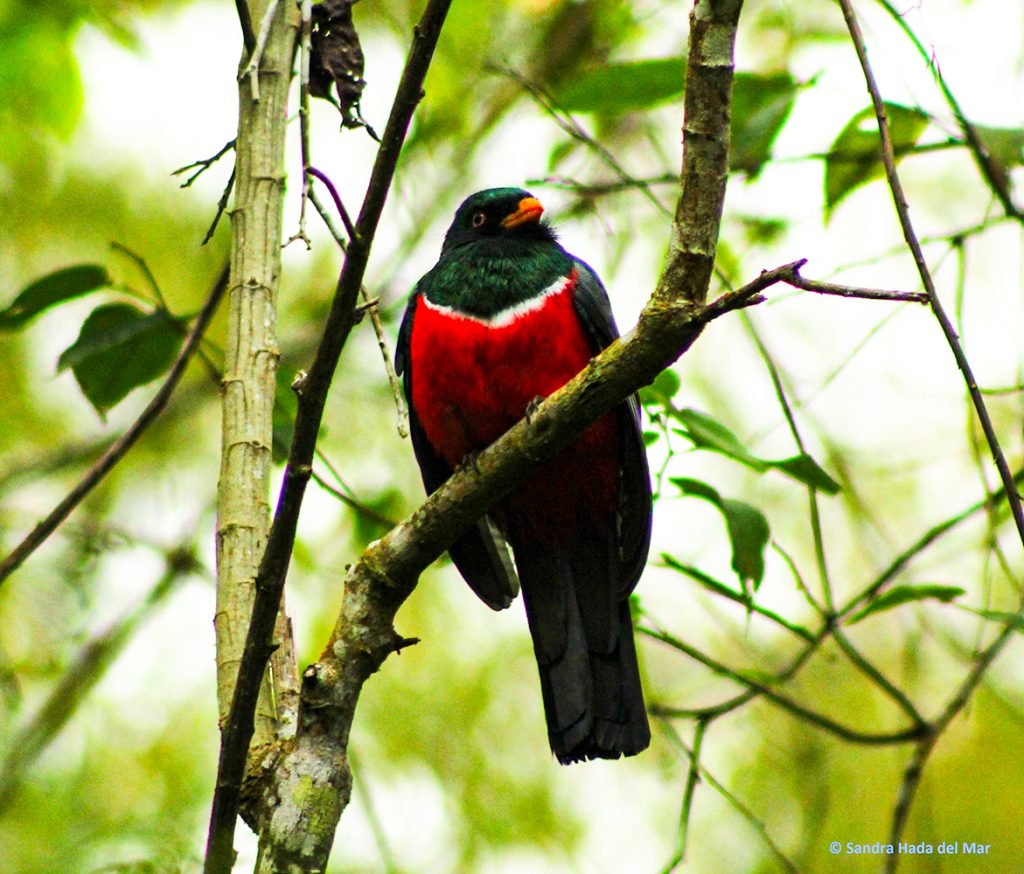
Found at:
(251, 356)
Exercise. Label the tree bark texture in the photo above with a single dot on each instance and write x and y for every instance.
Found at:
(251, 354)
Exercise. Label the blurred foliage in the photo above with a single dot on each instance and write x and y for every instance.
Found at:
(840, 422)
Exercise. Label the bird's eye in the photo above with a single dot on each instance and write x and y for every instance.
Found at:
(479, 219)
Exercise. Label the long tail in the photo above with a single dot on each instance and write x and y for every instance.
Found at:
(583, 639)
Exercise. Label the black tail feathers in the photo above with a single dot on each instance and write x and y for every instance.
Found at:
(583, 639)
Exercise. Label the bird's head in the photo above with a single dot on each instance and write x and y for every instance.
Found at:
(496, 213)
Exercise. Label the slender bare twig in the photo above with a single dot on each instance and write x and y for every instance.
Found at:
(252, 68)
(915, 767)
(203, 164)
(120, 448)
(305, 46)
(371, 307)
(719, 588)
(222, 205)
(572, 127)
(858, 660)
(147, 274)
(245, 22)
(852, 291)
(911, 733)
(698, 771)
(387, 856)
(692, 778)
(349, 501)
(339, 205)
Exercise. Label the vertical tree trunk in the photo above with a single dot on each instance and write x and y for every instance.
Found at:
(251, 354)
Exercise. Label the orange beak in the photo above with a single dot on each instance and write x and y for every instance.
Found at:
(529, 210)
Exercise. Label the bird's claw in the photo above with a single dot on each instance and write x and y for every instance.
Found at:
(469, 462)
(532, 407)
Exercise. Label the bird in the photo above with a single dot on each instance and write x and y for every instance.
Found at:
(504, 318)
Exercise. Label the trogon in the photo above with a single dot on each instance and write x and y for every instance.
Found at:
(504, 318)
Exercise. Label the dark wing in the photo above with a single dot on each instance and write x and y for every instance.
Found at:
(635, 509)
(480, 554)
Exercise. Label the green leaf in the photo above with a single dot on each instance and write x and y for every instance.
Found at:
(748, 528)
(749, 533)
(40, 85)
(697, 489)
(856, 155)
(707, 433)
(807, 470)
(625, 86)
(1005, 145)
(760, 106)
(662, 390)
(51, 290)
(119, 348)
(905, 594)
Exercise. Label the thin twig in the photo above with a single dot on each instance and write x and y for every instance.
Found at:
(852, 291)
(120, 448)
(339, 205)
(698, 770)
(140, 262)
(245, 21)
(222, 205)
(203, 164)
(305, 45)
(719, 588)
(915, 769)
(853, 735)
(692, 778)
(359, 782)
(252, 68)
(572, 127)
(899, 564)
(397, 394)
(361, 508)
(854, 655)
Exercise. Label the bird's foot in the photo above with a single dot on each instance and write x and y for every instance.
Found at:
(532, 407)
(469, 462)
